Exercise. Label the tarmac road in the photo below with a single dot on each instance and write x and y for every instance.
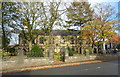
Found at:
(103, 68)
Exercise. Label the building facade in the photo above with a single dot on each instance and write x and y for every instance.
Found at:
(61, 40)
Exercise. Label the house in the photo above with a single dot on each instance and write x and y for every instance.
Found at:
(61, 39)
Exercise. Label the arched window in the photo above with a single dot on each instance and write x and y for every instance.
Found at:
(72, 41)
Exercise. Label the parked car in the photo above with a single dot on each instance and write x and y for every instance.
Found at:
(114, 50)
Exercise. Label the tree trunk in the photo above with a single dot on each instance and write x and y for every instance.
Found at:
(51, 49)
(3, 37)
(111, 47)
(93, 48)
(104, 50)
(97, 50)
(30, 45)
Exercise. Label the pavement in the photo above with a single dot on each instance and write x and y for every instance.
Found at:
(101, 68)
(56, 65)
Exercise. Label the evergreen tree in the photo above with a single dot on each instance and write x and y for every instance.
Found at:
(78, 13)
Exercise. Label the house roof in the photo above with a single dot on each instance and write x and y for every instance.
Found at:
(65, 32)
(58, 32)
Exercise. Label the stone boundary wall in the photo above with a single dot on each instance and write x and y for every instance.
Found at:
(26, 62)
(46, 60)
(91, 57)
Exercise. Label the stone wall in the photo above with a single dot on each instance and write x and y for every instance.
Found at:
(46, 60)
(93, 57)
(27, 62)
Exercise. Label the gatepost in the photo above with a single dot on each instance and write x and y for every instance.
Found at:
(87, 54)
(20, 57)
(51, 54)
(66, 54)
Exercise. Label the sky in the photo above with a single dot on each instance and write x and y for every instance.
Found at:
(95, 1)
(114, 3)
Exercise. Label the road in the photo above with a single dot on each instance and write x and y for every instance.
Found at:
(103, 68)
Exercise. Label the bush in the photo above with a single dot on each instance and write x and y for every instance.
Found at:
(118, 47)
(36, 51)
(56, 56)
(62, 56)
(4, 55)
(12, 51)
(70, 52)
(55, 53)
(90, 49)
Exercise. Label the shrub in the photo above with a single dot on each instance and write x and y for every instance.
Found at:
(90, 49)
(55, 53)
(36, 51)
(118, 46)
(12, 51)
(4, 55)
(70, 52)
(56, 56)
(62, 56)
